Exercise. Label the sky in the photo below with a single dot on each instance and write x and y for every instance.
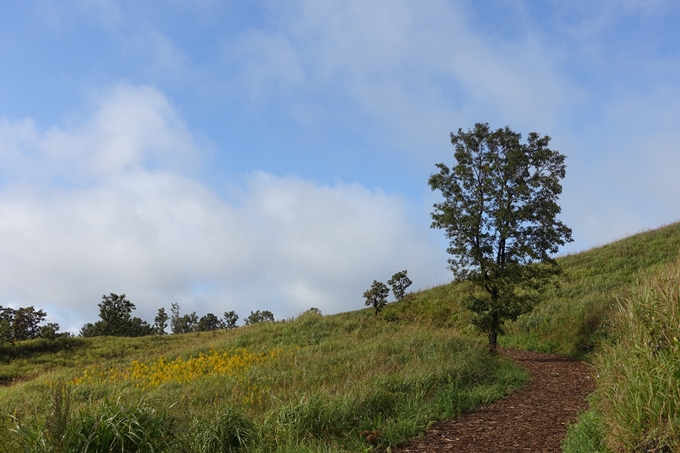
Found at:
(265, 155)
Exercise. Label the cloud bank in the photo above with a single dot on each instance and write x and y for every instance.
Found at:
(106, 204)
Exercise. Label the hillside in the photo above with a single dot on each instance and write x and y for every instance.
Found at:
(314, 383)
(309, 384)
(574, 314)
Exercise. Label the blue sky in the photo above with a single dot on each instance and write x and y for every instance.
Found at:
(274, 155)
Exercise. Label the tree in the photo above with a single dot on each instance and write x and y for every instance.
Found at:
(376, 296)
(50, 331)
(6, 319)
(26, 323)
(115, 313)
(500, 216)
(139, 328)
(230, 318)
(209, 322)
(259, 316)
(89, 330)
(313, 311)
(399, 282)
(182, 324)
(160, 322)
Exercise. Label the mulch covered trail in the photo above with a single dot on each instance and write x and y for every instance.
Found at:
(532, 419)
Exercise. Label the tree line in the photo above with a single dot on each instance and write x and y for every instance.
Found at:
(115, 319)
(25, 324)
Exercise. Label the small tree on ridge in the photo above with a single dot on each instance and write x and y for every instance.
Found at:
(399, 282)
(376, 296)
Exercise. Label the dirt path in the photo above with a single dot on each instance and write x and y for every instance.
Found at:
(532, 419)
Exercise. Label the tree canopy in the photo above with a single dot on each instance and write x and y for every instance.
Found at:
(376, 296)
(399, 282)
(115, 313)
(500, 216)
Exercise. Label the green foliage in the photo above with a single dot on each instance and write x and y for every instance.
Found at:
(500, 216)
(638, 393)
(209, 322)
(24, 324)
(227, 431)
(376, 296)
(258, 316)
(160, 322)
(587, 436)
(230, 319)
(399, 282)
(182, 323)
(332, 381)
(5, 331)
(575, 316)
(116, 319)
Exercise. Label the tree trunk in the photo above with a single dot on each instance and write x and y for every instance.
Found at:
(493, 336)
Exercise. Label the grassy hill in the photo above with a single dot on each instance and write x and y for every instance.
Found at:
(321, 383)
(314, 383)
(575, 314)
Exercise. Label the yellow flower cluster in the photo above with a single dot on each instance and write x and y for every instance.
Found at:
(162, 370)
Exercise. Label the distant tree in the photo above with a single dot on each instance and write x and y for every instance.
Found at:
(49, 331)
(313, 310)
(209, 322)
(139, 328)
(399, 282)
(259, 316)
(115, 313)
(26, 323)
(160, 322)
(376, 296)
(182, 324)
(230, 319)
(500, 215)
(89, 330)
(6, 319)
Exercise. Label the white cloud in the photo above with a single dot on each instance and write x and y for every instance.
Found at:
(135, 223)
(132, 128)
(417, 68)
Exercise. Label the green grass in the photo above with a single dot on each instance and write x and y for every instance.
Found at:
(331, 378)
(334, 377)
(638, 385)
(586, 436)
(574, 315)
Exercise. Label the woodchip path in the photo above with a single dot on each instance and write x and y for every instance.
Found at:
(532, 419)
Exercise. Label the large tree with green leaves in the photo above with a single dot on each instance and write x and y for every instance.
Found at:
(500, 215)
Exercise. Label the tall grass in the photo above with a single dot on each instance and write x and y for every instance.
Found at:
(310, 384)
(638, 393)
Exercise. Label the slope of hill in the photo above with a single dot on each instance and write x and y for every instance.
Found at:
(574, 315)
(325, 383)
(310, 384)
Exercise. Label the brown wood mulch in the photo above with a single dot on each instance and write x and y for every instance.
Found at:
(532, 419)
